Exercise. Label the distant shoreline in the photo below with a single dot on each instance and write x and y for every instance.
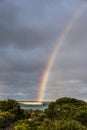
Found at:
(33, 103)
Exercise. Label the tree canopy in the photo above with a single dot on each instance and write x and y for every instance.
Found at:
(63, 114)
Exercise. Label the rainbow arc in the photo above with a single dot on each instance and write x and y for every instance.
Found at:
(58, 44)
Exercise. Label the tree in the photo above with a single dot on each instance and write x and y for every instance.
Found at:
(25, 125)
(13, 107)
(81, 116)
(69, 125)
(47, 124)
(70, 101)
(64, 108)
(9, 104)
(6, 118)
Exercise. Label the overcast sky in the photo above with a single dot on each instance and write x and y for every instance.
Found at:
(28, 32)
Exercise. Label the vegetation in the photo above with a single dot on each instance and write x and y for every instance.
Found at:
(63, 114)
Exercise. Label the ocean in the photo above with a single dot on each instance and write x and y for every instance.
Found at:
(35, 107)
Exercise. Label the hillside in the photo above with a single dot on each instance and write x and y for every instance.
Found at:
(63, 114)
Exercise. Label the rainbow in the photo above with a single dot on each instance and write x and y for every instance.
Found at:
(56, 50)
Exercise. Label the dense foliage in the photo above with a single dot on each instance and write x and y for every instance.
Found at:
(63, 114)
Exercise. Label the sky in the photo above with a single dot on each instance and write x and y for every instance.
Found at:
(29, 30)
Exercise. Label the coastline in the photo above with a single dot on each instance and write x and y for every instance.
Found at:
(32, 103)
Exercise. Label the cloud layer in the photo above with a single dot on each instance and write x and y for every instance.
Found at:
(28, 33)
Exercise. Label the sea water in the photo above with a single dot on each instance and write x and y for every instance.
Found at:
(35, 107)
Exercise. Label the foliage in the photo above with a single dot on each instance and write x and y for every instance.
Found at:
(13, 107)
(81, 115)
(64, 108)
(25, 125)
(63, 114)
(61, 125)
(69, 125)
(22, 125)
(70, 101)
(8, 105)
(6, 118)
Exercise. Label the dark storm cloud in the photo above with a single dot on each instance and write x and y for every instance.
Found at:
(28, 32)
(12, 59)
(29, 24)
(20, 29)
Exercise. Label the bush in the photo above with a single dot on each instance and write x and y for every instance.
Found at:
(6, 118)
(69, 125)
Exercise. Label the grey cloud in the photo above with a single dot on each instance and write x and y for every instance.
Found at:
(28, 24)
(28, 33)
(18, 60)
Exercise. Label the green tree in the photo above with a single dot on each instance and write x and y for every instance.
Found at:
(25, 125)
(6, 118)
(47, 124)
(13, 107)
(81, 116)
(70, 101)
(22, 125)
(69, 125)
(64, 108)
(9, 104)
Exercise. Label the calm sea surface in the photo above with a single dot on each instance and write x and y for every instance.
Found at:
(35, 107)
